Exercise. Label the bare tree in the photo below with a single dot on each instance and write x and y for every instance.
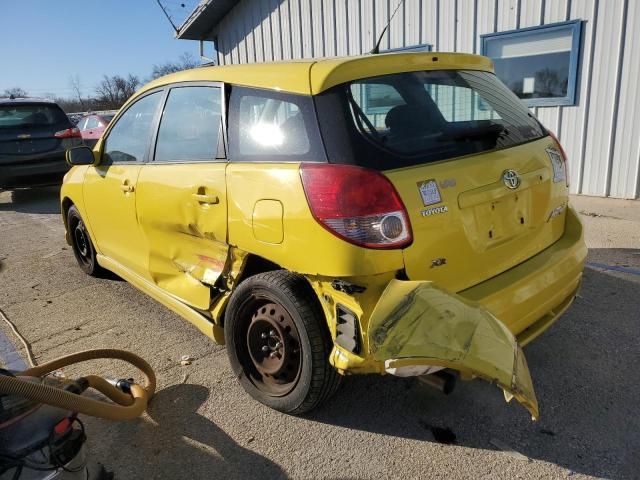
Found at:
(74, 81)
(17, 92)
(184, 62)
(113, 91)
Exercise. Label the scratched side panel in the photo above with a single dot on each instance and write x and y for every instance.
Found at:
(186, 238)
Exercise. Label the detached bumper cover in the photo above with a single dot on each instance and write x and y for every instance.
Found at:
(416, 324)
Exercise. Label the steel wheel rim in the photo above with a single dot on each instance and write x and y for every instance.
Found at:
(81, 242)
(274, 360)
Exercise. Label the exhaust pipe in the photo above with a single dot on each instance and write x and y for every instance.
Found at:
(441, 380)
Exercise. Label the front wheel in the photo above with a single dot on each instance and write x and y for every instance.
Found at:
(278, 343)
(83, 248)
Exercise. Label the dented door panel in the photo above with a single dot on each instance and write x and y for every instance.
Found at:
(418, 324)
(183, 213)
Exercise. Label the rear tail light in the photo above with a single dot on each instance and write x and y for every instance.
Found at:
(563, 154)
(68, 133)
(358, 205)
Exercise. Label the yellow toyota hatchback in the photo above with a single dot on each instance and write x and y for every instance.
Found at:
(396, 214)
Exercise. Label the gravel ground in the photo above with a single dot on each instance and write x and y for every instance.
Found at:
(201, 424)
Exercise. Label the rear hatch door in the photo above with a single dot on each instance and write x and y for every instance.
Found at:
(28, 129)
(482, 181)
(475, 217)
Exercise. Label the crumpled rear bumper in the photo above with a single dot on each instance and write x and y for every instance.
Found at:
(416, 327)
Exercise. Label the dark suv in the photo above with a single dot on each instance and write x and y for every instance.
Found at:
(34, 135)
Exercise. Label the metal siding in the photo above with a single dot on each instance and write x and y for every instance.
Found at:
(342, 28)
(329, 22)
(412, 18)
(530, 12)
(467, 27)
(507, 15)
(555, 10)
(574, 118)
(602, 141)
(397, 28)
(276, 30)
(429, 22)
(603, 87)
(485, 19)
(447, 30)
(354, 11)
(626, 152)
(381, 17)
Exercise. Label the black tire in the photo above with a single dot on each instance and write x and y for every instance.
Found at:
(83, 248)
(284, 298)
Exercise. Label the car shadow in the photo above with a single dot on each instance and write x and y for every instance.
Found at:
(32, 200)
(585, 371)
(178, 442)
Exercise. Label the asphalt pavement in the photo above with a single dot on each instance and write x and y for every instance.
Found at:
(201, 424)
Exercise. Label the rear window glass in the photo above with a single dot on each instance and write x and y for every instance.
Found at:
(405, 119)
(273, 126)
(25, 116)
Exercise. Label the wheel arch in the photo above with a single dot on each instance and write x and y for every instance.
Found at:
(65, 205)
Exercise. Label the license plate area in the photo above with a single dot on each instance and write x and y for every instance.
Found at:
(502, 219)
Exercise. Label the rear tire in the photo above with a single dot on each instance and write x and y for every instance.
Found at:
(278, 343)
(83, 248)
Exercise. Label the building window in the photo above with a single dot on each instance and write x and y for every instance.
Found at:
(539, 64)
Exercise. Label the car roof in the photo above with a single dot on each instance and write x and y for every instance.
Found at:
(314, 76)
(18, 100)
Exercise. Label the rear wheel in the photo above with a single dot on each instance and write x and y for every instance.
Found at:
(83, 248)
(278, 343)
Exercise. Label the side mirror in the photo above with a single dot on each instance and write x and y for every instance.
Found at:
(81, 155)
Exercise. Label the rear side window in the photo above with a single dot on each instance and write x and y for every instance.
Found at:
(31, 115)
(410, 118)
(190, 125)
(128, 140)
(273, 126)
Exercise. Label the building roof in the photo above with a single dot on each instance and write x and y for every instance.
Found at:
(317, 75)
(204, 18)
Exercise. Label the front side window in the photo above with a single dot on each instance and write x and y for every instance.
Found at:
(422, 117)
(538, 64)
(272, 126)
(190, 125)
(128, 140)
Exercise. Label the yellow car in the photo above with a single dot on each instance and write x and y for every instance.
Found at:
(395, 214)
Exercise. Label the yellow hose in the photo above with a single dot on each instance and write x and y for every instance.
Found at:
(126, 407)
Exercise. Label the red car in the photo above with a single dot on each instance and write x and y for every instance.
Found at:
(92, 126)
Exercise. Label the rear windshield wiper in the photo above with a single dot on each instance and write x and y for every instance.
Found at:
(362, 117)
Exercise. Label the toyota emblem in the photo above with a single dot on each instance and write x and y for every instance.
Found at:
(511, 179)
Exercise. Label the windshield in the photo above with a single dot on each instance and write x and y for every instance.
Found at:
(22, 116)
(405, 119)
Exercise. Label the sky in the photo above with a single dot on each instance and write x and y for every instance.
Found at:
(43, 43)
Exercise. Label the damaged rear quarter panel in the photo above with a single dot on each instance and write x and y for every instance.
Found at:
(417, 323)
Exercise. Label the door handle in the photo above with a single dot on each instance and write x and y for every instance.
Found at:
(126, 187)
(205, 199)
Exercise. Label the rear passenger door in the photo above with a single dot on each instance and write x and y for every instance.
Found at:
(182, 196)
